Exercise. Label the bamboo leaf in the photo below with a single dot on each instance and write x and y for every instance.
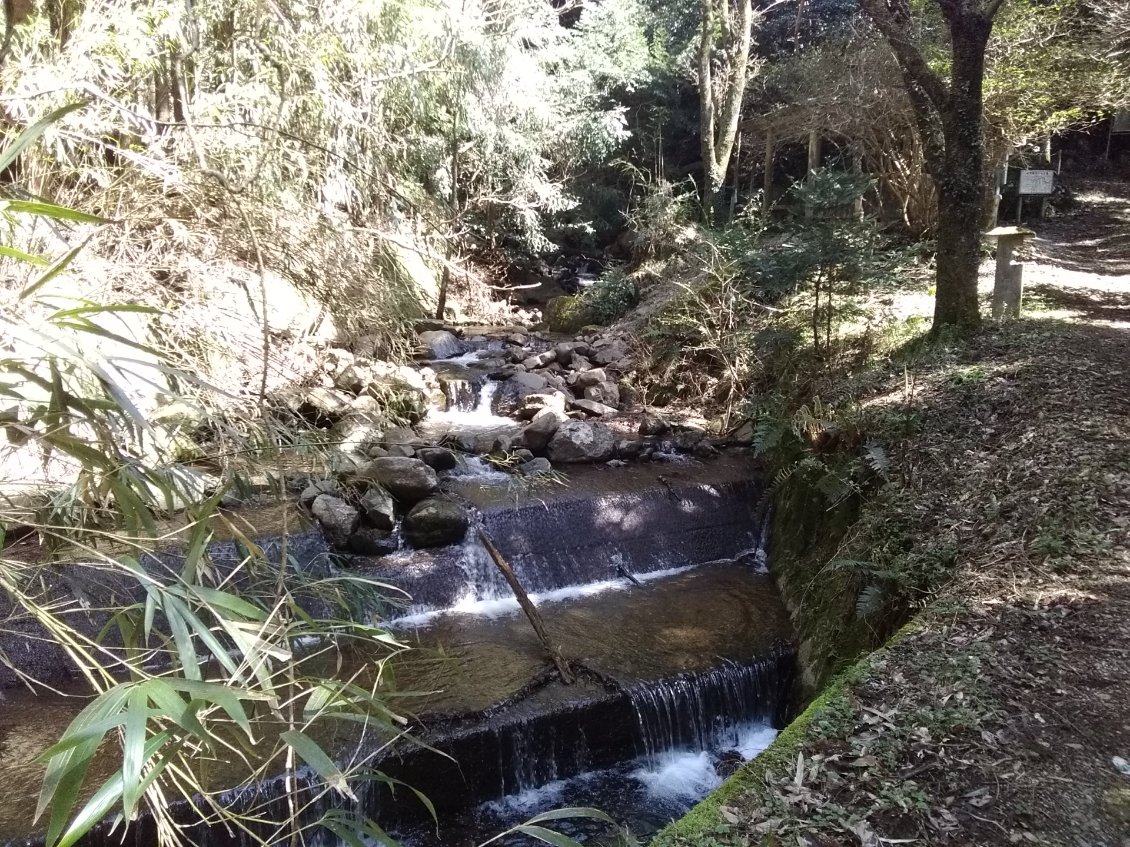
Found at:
(30, 135)
(16, 253)
(133, 749)
(313, 755)
(50, 210)
(56, 268)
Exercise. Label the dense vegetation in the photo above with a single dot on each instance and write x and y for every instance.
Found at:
(194, 190)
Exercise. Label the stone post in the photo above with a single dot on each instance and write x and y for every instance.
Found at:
(1008, 287)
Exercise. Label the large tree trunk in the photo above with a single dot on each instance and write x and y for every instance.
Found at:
(950, 123)
(962, 184)
(958, 258)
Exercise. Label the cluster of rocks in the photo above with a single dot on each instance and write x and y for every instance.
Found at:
(368, 508)
(556, 401)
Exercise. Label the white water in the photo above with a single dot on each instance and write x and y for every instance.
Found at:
(478, 469)
(468, 358)
(481, 417)
(667, 784)
(496, 606)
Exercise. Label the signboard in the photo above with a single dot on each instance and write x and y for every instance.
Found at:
(1120, 123)
(1037, 182)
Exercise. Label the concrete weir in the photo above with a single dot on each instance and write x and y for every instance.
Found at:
(651, 579)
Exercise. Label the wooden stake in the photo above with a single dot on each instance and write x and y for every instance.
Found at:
(530, 609)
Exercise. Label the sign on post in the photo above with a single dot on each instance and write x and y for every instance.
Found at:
(1037, 182)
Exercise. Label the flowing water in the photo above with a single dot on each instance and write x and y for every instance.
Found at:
(652, 581)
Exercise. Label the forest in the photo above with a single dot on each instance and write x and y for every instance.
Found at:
(456, 422)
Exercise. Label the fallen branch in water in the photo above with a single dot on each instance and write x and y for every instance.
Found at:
(530, 609)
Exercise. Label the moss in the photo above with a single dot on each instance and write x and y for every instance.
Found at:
(566, 315)
(822, 601)
(827, 711)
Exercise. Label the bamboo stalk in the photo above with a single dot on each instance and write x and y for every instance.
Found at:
(530, 609)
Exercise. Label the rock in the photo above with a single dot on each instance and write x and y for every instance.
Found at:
(534, 403)
(315, 489)
(356, 434)
(704, 450)
(535, 467)
(378, 508)
(408, 480)
(586, 379)
(568, 352)
(337, 518)
(580, 363)
(1116, 802)
(744, 434)
(429, 325)
(580, 441)
(628, 449)
(652, 425)
(608, 351)
(366, 406)
(353, 379)
(435, 522)
(376, 452)
(593, 407)
(523, 455)
(540, 360)
(512, 392)
(370, 541)
(606, 392)
(400, 435)
(179, 413)
(536, 436)
(437, 458)
(323, 407)
(687, 438)
(406, 451)
(441, 344)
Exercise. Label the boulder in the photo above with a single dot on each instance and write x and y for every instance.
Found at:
(353, 379)
(687, 438)
(535, 467)
(437, 458)
(536, 436)
(611, 351)
(407, 451)
(435, 522)
(312, 491)
(356, 434)
(370, 541)
(539, 360)
(523, 455)
(594, 408)
(378, 508)
(629, 449)
(408, 480)
(534, 403)
(323, 407)
(567, 351)
(580, 441)
(581, 363)
(652, 425)
(441, 344)
(607, 392)
(511, 393)
(337, 518)
(585, 379)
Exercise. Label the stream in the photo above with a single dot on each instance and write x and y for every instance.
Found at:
(652, 579)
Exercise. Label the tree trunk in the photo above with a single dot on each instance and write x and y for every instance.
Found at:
(958, 258)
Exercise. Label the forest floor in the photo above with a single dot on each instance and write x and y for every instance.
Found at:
(1001, 715)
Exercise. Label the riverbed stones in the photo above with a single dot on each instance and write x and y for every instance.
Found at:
(378, 507)
(336, 517)
(537, 435)
(512, 392)
(371, 541)
(539, 360)
(536, 466)
(312, 491)
(594, 408)
(589, 378)
(534, 403)
(606, 392)
(435, 522)
(581, 441)
(407, 480)
(652, 425)
(323, 407)
(437, 458)
(440, 344)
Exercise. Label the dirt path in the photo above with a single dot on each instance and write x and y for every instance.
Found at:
(1003, 716)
